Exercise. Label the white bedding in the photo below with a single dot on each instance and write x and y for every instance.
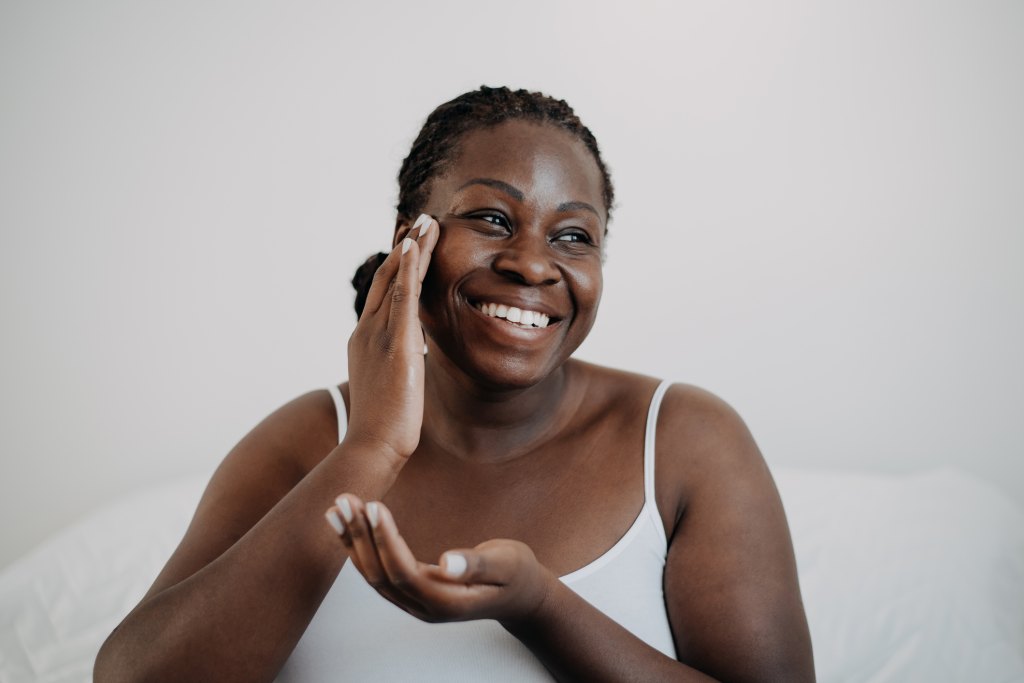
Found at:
(917, 578)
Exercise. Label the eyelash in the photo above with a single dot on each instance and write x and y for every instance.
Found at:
(485, 216)
(577, 236)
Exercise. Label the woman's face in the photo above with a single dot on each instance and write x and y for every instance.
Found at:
(522, 228)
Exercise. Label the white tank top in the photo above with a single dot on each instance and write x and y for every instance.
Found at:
(357, 635)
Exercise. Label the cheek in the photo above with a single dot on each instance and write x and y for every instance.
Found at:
(589, 284)
(449, 263)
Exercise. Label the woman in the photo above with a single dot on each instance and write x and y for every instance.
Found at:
(591, 524)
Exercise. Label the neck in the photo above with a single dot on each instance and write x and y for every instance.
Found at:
(485, 424)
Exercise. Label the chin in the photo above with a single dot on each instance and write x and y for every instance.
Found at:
(512, 376)
(511, 370)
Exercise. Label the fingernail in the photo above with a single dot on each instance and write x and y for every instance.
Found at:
(425, 226)
(345, 507)
(454, 564)
(424, 349)
(406, 243)
(373, 513)
(424, 218)
(335, 521)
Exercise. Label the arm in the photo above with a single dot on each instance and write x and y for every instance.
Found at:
(257, 560)
(731, 584)
(226, 609)
(578, 642)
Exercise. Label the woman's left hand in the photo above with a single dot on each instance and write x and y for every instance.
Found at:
(498, 579)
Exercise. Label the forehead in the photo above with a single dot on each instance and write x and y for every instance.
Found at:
(542, 160)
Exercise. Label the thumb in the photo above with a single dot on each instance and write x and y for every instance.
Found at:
(493, 562)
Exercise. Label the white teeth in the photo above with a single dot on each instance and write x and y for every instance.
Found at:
(520, 317)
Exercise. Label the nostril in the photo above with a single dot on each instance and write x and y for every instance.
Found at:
(527, 269)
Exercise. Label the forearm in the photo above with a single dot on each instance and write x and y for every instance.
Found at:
(240, 616)
(577, 642)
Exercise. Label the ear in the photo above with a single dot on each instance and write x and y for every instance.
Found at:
(402, 227)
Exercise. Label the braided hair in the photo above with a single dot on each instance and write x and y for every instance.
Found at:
(436, 146)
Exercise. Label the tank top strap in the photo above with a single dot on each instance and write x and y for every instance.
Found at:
(650, 500)
(340, 411)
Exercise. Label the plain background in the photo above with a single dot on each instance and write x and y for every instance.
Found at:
(820, 217)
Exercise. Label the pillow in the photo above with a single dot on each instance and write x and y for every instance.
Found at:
(60, 602)
(908, 578)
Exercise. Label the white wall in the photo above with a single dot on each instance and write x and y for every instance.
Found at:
(820, 217)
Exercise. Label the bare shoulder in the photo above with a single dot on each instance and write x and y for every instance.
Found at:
(702, 445)
(284, 446)
(260, 470)
(699, 419)
(703, 448)
(613, 390)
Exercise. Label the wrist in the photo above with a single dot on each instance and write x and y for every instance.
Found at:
(374, 450)
(363, 468)
(540, 608)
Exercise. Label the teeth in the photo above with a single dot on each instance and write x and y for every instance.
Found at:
(518, 316)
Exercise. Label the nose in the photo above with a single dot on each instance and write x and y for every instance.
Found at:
(529, 261)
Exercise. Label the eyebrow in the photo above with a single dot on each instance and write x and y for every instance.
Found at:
(576, 206)
(511, 191)
(517, 194)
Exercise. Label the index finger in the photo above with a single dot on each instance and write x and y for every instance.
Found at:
(429, 233)
(396, 559)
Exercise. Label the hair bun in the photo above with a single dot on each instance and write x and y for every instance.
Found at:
(364, 278)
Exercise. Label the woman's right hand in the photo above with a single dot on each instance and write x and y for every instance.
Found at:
(385, 352)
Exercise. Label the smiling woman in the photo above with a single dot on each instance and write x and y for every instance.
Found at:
(587, 523)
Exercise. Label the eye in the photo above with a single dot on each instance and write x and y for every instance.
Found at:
(574, 236)
(494, 218)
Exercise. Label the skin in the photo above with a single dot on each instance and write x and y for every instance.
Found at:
(493, 418)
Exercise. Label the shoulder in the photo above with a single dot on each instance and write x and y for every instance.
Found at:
(700, 420)
(703, 446)
(281, 445)
(260, 470)
(615, 391)
(688, 416)
(691, 420)
(299, 433)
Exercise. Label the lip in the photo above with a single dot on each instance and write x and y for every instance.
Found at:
(510, 330)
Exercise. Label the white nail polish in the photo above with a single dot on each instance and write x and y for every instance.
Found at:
(373, 513)
(335, 521)
(424, 349)
(406, 243)
(454, 564)
(425, 229)
(345, 507)
(423, 218)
